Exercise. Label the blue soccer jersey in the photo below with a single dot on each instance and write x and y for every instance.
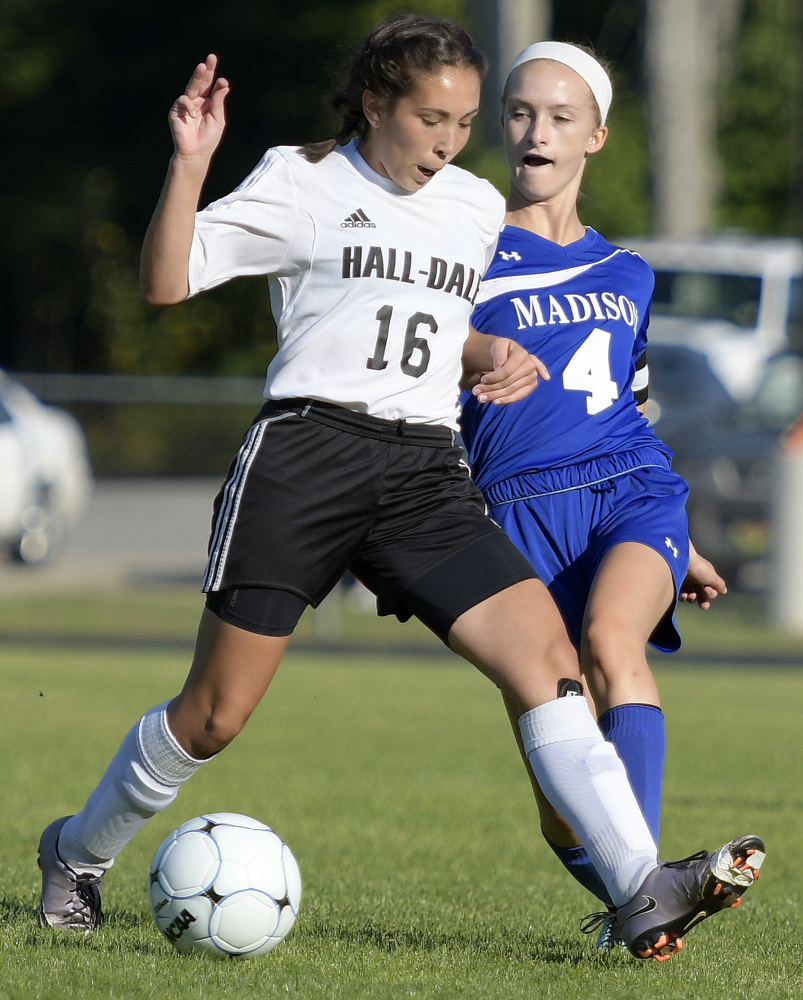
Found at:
(583, 310)
(574, 469)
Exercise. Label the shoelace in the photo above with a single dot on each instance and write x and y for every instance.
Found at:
(87, 910)
(87, 891)
(87, 903)
(698, 856)
(593, 921)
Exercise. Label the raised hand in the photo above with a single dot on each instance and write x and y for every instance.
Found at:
(197, 118)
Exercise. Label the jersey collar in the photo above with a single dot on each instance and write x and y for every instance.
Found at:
(361, 165)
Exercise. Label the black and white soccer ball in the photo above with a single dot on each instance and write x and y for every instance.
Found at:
(226, 884)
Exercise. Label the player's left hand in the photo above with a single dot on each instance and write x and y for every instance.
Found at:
(702, 584)
(515, 374)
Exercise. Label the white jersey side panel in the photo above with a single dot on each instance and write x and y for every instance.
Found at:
(372, 287)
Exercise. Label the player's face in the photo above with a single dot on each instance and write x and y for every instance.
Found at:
(550, 126)
(425, 130)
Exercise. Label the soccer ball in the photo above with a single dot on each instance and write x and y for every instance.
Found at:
(226, 884)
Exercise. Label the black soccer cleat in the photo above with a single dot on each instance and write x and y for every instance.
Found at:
(679, 894)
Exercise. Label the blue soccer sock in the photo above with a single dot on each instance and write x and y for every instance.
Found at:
(578, 864)
(639, 734)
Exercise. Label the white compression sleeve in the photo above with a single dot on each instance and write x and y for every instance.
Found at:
(143, 778)
(584, 779)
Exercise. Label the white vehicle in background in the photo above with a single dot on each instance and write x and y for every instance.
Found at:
(45, 474)
(725, 352)
(738, 300)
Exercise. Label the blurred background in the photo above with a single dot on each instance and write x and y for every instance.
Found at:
(701, 173)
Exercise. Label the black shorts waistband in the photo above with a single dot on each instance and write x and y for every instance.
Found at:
(363, 424)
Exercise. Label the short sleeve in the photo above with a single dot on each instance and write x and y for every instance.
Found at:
(495, 221)
(247, 232)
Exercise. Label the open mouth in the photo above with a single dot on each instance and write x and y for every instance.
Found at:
(533, 160)
(427, 172)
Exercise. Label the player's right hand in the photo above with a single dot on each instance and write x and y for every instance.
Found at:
(197, 119)
(515, 374)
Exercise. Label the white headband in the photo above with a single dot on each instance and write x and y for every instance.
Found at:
(581, 62)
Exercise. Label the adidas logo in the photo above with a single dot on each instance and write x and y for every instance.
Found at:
(357, 220)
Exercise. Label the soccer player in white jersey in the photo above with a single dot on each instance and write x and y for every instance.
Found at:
(574, 473)
(373, 248)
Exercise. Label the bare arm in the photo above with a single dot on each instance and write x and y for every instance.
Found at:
(498, 370)
(197, 120)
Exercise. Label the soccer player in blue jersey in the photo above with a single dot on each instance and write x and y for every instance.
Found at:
(575, 474)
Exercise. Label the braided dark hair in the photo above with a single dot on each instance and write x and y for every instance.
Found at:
(399, 49)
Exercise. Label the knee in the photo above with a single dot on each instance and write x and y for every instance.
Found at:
(204, 731)
(561, 657)
(533, 681)
(616, 668)
(606, 647)
(219, 729)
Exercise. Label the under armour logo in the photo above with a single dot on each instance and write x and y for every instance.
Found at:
(513, 255)
(669, 545)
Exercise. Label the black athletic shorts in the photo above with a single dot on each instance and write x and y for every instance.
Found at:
(317, 489)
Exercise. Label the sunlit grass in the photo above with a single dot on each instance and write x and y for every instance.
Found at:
(397, 784)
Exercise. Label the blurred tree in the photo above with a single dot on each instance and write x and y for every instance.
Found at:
(761, 123)
(505, 27)
(681, 75)
(85, 86)
(616, 188)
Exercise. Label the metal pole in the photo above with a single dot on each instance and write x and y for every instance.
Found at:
(786, 578)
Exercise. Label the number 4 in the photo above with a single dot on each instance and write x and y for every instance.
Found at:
(590, 371)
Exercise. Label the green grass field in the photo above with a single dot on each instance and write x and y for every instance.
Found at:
(396, 781)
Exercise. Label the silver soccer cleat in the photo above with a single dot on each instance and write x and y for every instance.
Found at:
(70, 901)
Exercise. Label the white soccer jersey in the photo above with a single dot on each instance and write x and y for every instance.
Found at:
(371, 286)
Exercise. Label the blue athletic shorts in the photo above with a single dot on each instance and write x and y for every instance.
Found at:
(566, 531)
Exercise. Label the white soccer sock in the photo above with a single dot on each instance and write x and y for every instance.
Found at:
(584, 779)
(143, 778)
